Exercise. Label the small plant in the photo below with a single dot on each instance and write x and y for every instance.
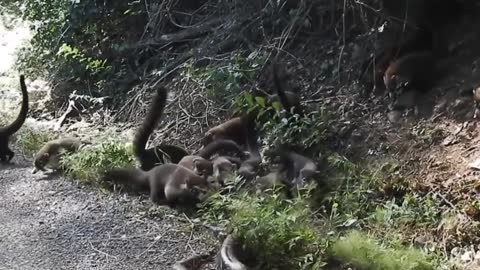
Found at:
(30, 140)
(304, 132)
(280, 232)
(89, 162)
(363, 252)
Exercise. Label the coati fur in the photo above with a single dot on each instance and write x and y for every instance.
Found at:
(233, 129)
(289, 100)
(412, 72)
(49, 154)
(200, 162)
(297, 168)
(151, 157)
(233, 256)
(170, 182)
(5, 132)
(249, 167)
(222, 167)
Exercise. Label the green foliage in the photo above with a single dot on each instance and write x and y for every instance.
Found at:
(280, 232)
(364, 253)
(30, 140)
(304, 132)
(89, 162)
(226, 80)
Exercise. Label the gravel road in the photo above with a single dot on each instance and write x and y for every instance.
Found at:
(54, 223)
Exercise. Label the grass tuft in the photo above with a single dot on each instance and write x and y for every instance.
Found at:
(365, 253)
(89, 162)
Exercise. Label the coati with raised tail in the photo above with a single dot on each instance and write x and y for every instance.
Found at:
(249, 167)
(151, 157)
(170, 182)
(49, 154)
(289, 99)
(412, 72)
(5, 132)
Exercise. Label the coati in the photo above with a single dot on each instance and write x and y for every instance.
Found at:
(49, 154)
(233, 256)
(5, 132)
(170, 182)
(200, 162)
(249, 167)
(298, 168)
(233, 129)
(222, 166)
(289, 100)
(412, 72)
(149, 158)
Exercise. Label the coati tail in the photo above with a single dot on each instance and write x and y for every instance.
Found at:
(17, 124)
(217, 145)
(153, 115)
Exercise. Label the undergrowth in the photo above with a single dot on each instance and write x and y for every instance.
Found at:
(89, 162)
(31, 140)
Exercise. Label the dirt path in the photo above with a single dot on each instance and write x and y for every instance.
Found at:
(52, 223)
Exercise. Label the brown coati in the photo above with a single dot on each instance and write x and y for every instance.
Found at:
(290, 100)
(49, 154)
(233, 129)
(374, 67)
(170, 182)
(200, 161)
(5, 132)
(151, 157)
(412, 72)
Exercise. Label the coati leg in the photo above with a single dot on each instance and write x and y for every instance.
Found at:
(5, 132)
(51, 151)
(151, 157)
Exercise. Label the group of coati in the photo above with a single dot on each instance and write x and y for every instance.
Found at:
(173, 176)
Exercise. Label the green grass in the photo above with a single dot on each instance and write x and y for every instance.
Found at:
(31, 140)
(280, 232)
(364, 252)
(89, 162)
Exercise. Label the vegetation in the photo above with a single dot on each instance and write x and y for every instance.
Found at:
(89, 162)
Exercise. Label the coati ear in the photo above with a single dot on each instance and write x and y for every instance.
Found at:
(45, 155)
